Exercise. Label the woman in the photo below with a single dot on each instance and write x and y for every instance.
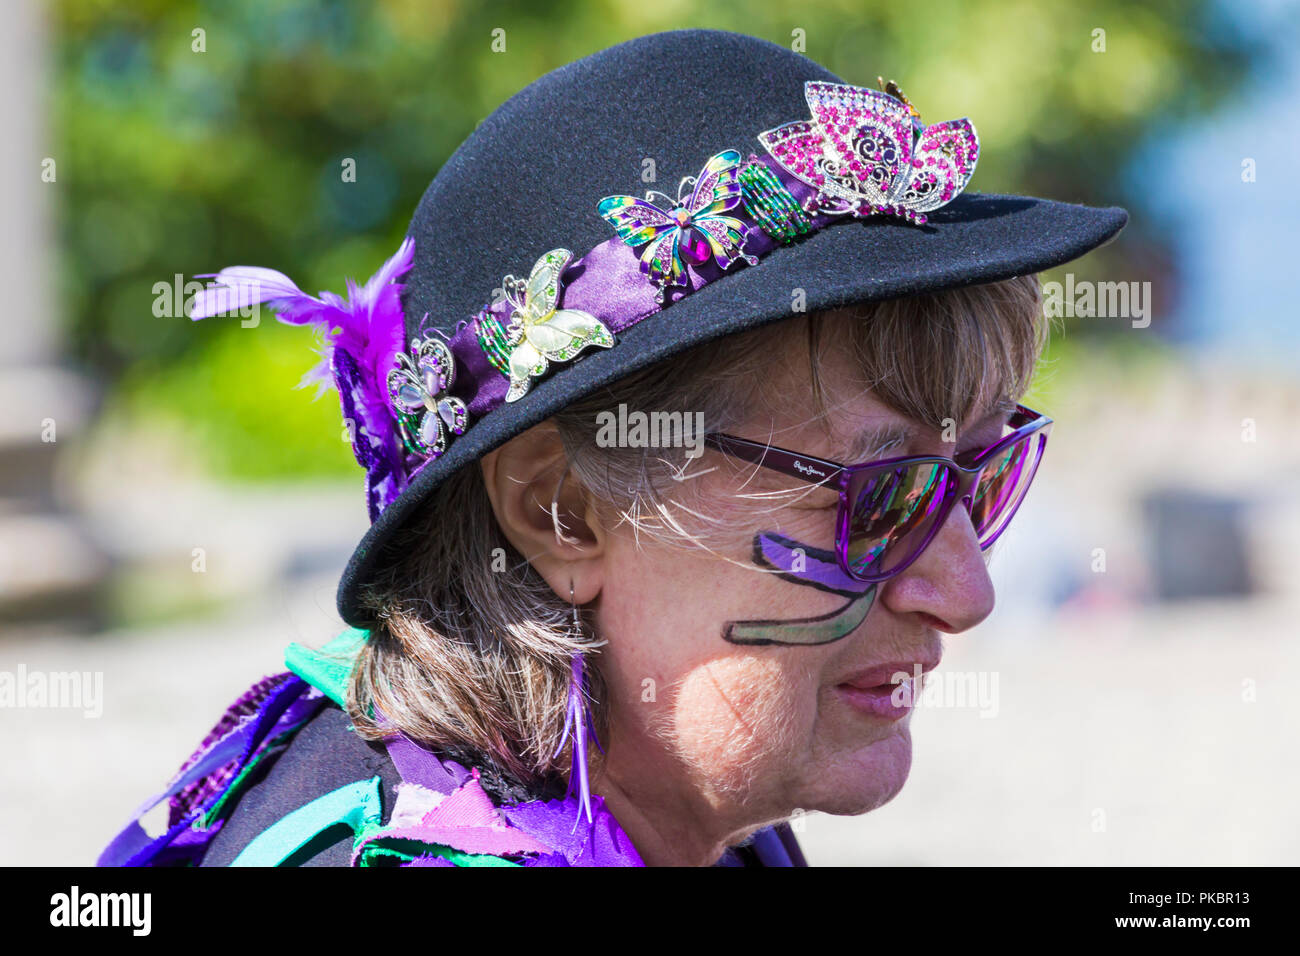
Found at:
(665, 534)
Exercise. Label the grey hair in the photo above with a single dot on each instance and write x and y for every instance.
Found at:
(470, 649)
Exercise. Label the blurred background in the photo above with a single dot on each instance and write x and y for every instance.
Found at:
(174, 511)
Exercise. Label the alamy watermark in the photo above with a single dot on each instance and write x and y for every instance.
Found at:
(64, 690)
(175, 299)
(130, 910)
(638, 429)
(973, 689)
(1103, 300)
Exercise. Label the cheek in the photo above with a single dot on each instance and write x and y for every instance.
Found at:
(731, 714)
(665, 632)
(738, 717)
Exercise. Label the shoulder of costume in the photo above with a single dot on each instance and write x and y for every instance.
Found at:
(250, 733)
(441, 814)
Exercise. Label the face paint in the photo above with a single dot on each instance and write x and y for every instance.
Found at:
(813, 567)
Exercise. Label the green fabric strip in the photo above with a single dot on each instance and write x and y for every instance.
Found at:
(469, 859)
(328, 669)
(268, 748)
(379, 850)
(355, 804)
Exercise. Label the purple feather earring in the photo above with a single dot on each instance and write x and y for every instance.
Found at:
(577, 725)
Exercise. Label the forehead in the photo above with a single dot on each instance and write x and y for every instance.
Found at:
(879, 428)
(834, 401)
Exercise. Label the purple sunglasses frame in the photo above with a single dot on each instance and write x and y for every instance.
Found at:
(967, 467)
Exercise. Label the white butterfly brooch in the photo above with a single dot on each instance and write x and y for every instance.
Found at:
(418, 388)
(539, 333)
(694, 229)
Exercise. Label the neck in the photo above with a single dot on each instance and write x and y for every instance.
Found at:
(669, 825)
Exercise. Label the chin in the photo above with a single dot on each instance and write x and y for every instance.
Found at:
(863, 780)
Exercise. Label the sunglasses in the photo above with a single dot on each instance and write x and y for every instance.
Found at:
(890, 510)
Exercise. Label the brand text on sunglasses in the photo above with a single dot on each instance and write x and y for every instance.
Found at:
(808, 469)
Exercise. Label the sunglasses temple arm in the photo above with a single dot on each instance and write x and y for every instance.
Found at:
(815, 471)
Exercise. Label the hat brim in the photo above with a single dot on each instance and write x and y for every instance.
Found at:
(976, 238)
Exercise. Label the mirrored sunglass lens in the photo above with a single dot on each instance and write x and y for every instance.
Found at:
(892, 514)
(1002, 484)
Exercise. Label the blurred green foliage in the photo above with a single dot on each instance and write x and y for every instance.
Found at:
(178, 161)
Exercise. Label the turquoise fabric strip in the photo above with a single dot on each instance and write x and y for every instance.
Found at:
(357, 805)
(329, 668)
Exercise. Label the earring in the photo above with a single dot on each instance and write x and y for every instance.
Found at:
(577, 719)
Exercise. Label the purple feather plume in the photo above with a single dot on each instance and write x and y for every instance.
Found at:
(578, 719)
(362, 335)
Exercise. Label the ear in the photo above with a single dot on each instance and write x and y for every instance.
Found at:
(545, 514)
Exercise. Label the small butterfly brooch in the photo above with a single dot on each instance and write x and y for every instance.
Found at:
(868, 152)
(418, 389)
(694, 229)
(539, 333)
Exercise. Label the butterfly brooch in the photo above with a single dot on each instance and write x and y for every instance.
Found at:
(418, 389)
(694, 230)
(538, 332)
(867, 152)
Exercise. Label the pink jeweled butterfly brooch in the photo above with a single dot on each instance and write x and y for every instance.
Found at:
(418, 389)
(867, 152)
(694, 229)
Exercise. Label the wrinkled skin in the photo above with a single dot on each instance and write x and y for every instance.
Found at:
(709, 740)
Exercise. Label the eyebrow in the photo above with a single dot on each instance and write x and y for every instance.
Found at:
(875, 442)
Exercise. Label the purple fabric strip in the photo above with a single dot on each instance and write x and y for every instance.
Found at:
(283, 708)
(417, 765)
(792, 848)
(608, 283)
(769, 848)
(602, 842)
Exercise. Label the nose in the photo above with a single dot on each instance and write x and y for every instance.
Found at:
(949, 581)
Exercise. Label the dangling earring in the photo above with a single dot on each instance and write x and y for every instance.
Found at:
(577, 718)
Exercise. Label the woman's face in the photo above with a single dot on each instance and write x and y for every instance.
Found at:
(757, 731)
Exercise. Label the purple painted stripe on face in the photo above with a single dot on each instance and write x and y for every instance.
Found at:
(813, 567)
(808, 565)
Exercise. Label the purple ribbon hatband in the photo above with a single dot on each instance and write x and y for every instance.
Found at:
(608, 283)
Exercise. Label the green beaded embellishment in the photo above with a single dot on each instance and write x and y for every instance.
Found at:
(770, 204)
(495, 342)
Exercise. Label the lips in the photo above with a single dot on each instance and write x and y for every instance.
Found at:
(884, 673)
(877, 691)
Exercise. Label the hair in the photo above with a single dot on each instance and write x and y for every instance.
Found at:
(470, 649)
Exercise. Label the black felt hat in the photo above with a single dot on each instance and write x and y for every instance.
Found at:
(530, 177)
